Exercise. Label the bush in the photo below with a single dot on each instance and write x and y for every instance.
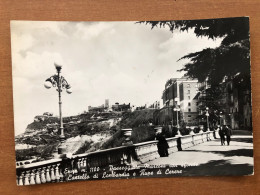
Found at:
(85, 147)
(143, 134)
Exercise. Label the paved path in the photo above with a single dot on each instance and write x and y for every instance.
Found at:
(214, 159)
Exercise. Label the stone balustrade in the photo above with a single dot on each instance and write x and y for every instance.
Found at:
(39, 172)
(173, 144)
(146, 151)
(57, 170)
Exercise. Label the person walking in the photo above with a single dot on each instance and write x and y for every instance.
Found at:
(221, 135)
(228, 133)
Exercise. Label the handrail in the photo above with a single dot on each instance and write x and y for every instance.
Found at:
(38, 164)
(101, 151)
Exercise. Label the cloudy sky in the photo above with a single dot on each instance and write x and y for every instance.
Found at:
(124, 62)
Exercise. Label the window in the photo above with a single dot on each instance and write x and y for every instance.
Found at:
(189, 104)
(189, 110)
(188, 91)
(189, 115)
(189, 97)
(188, 85)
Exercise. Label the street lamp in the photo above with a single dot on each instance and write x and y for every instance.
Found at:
(60, 83)
(220, 118)
(177, 109)
(207, 115)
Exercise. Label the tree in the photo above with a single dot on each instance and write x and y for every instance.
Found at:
(231, 59)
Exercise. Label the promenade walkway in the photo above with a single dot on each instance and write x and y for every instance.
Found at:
(214, 159)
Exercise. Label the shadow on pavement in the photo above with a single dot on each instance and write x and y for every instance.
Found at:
(231, 145)
(228, 153)
(219, 167)
(244, 140)
(238, 152)
(242, 132)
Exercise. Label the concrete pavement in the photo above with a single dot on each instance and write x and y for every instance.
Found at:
(214, 159)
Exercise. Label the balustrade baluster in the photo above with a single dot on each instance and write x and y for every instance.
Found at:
(43, 179)
(37, 176)
(81, 163)
(21, 177)
(20, 180)
(75, 167)
(72, 164)
(57, 174)
(52, 173)
(48, 178)
(88, 163)
(26, 178)
(32, 176)
(78, 165)
(85, 163)
(61, 176)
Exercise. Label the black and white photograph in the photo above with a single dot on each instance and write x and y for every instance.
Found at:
(131, 99)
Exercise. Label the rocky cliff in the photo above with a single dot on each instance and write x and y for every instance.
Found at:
(84, 133)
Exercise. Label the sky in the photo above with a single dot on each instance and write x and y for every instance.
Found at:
(124, 62)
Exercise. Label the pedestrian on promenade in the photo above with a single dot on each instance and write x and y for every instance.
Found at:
(221, 133)
(228, 133)
(162, 145)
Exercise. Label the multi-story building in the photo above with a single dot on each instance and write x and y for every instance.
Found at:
(188, 91)
(231, 105)
(171, 91)
(179, 93)
(238, 106)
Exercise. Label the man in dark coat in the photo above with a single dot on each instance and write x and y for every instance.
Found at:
(162, 145)
(221, 133)
(228, 133)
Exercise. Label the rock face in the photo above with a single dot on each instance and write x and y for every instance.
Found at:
(84, 133)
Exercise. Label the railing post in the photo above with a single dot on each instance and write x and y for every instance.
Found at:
(201, 129)
(127, 133)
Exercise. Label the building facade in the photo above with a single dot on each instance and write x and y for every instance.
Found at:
(180, 94)
(188, 91)
(171, 91)
(231, 105)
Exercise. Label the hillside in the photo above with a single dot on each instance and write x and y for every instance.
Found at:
(84, 133)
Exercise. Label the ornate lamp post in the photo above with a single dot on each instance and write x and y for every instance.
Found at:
(220, 118)
(59, 82)
(177, 109)
(207, 115)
